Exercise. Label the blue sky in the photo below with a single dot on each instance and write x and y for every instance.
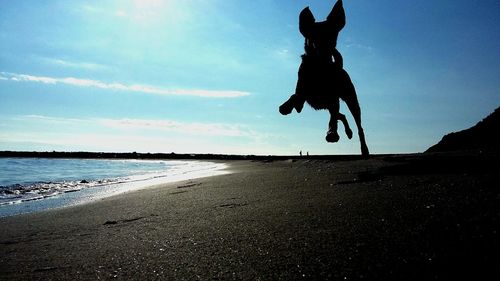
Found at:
(207, 76)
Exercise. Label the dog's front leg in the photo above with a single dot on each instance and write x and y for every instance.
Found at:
(294, 101)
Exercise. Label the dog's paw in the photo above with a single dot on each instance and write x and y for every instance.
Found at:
(348, 132)
(299, 106)
(285, 109)
(332, 136)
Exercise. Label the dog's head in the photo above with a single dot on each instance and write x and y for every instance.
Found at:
(325, 32)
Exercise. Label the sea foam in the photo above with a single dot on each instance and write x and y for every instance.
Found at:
(35, 184)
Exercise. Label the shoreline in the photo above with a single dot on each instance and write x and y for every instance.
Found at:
(386, 218)
(63, 199)
(176, 156)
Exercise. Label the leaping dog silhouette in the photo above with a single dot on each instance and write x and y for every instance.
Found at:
(322, 81)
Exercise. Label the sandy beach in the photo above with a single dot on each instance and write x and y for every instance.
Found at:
(400, 217)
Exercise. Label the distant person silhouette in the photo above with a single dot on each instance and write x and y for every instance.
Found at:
(323, 81)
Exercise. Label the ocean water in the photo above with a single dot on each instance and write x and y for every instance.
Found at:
(36, 184)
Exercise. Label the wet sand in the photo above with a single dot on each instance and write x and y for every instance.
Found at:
(407, 217)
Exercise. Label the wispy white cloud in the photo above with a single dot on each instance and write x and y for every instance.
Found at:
(120, 13)
(283, 53)
(143, 135)
(194, 128)
(47, 141)
(73, 64)
(49, 119)
(123, 87)
(285, 56)
(89, 8)
(158, 125)
(359, 46)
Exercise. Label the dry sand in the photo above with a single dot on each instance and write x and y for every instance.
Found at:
(413, 217)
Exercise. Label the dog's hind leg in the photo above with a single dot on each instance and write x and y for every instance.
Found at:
(347, 129)
(352, 103)
(332, 135)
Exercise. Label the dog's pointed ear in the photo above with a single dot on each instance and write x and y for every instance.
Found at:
(337, 16)
(306, 22)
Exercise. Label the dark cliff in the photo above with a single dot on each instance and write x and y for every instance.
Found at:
(484, 136)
